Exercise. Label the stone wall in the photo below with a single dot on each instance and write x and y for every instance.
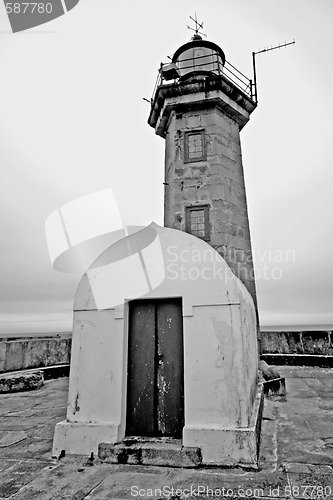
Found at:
(217, 181)
(24, 353)
(301, 342)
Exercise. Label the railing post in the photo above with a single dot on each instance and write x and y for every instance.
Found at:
(161, 74)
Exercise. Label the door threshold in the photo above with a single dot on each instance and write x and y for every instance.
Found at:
(129, 440)
(157, 451)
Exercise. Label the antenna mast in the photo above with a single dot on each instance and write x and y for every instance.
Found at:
(280, 46)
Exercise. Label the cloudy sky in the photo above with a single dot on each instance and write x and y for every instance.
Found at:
(73, 121)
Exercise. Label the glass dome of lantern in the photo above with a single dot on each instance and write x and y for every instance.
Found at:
(199, 58)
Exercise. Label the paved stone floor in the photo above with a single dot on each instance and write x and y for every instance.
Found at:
(296, 453)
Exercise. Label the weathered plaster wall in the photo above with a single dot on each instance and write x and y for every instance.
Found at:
(220, 347)
(96, 368)
(216, 391)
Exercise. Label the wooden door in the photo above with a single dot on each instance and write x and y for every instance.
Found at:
(155, 388)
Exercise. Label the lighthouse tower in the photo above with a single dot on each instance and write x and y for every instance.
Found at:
(164, 321)
(200, 105)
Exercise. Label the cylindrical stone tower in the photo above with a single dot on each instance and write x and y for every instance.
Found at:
(200, 105)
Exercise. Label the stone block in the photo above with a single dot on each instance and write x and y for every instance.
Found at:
(169, 455)
(245, 273)
(238, 187)
(14, 355)
(58, 351)
(179, 172)
(235, 146)
(220, 142)
(112, 453)
(292, 343)
(216, 192)
(191, 182)
(243, 232)
(198, 171)
(230, 196)
(220, 225)
(239, 210)
(35, 353)
(217, 166)
(219, 239)
(221, 214)
(251, 287)
(236, 255)
(191, 457)
(214, 179)
(3, 347)
(316, 342)
(281, 343)
(227, 155)
(159, 454)
(239, 220)
(134, 455)
(166, 454)
(237, 243)
(226, 172)
(193, 120)
(21, 382)
(120, 453)
(233, 229)
(187, 195)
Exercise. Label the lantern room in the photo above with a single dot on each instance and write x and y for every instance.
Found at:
(199, 57)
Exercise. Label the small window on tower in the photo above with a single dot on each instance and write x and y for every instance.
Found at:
(195, 146)
(197, 221)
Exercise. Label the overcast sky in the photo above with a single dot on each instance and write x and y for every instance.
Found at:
(73, 121)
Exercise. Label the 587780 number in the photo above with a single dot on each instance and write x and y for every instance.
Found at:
(29, 8)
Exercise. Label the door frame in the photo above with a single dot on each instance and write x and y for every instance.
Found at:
(127, 341)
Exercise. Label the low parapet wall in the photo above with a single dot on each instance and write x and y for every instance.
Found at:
(302, 342)
(24, 353)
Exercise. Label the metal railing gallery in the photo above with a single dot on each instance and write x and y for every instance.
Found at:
(214, 66)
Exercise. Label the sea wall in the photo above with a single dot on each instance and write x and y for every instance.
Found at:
(24, 353)
(293, 347)
(302, 342)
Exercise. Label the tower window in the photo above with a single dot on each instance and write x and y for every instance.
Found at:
(197, 221)
(195, 146)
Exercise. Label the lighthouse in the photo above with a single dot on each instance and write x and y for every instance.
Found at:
(200, 105)
(164, 363)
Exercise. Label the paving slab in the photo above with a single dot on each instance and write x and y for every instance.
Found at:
(18, 475)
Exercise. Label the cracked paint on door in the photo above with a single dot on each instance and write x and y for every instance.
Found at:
(155, 401)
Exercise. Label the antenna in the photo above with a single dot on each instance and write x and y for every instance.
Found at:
(280, 46)
(198, 25)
